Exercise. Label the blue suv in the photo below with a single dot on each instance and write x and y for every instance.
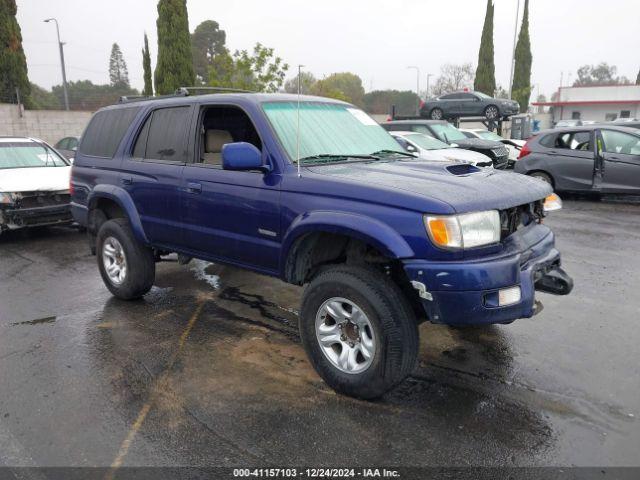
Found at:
(316, 193)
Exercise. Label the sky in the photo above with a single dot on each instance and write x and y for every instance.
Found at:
(376, 39)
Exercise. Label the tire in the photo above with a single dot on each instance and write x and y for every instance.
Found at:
(96, 219)
(492, 112)
(542, 176)
(391, 336)
(436, 114)
(139, 271)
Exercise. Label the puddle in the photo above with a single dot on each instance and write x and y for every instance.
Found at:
(37, 321)
(199, 267)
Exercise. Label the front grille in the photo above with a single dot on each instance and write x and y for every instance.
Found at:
(43, 199)
(513, 219)
(500, 151)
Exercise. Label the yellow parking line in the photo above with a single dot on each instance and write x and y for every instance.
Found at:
(144, 411)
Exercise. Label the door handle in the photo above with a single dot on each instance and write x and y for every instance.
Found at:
(126, 180)
(194, 188)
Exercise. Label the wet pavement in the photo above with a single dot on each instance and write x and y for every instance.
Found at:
(208, 370)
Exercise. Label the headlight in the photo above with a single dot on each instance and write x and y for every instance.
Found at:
(7, 198)
(552, 203)
(464, 231)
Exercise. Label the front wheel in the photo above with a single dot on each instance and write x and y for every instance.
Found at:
(127, 267)
(358, 330)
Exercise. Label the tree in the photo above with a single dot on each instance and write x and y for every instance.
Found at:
(42, 99)
(118, 73)
(174, 67)
(207, 41)
(258, 71)
(345, 86)
(13, 63)
(146, 67)
(500, 92)
(380, 101)
(601, 74)
(638, 78)
(85, 95)
(453, 78)
(307, 80)
(485, 80)
(521, 88)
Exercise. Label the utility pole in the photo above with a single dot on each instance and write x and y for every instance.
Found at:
(64, 73)
(429, 75)
(513, 54)
(417, 87)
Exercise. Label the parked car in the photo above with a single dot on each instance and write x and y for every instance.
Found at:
(568, 123)
(513, 146)
(381, 240)
(429, 148)
(449, 134)
(468, 104)
(593, 158)
(67, 147)
(34, 184)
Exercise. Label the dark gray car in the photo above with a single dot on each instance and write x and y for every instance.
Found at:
(468, 104)
(593, 158)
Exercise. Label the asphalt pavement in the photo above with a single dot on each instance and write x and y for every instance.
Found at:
(207, 369)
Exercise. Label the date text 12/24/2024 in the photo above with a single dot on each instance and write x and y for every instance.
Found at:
(315, 473)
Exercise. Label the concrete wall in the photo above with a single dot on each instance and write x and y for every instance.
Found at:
(47, 125)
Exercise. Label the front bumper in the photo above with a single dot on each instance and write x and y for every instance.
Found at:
(14, 218)
(460, 291)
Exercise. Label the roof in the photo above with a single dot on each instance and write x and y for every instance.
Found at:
(596, 95)
(221, 97)
(590, 127)
(18, 140)
(417, 120)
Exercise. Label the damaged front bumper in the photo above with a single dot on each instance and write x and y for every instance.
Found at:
(36, 209)
(498, 289)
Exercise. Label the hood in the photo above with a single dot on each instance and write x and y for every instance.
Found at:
(43, 179)
(482, 190)
(477, 143)
(453, 155)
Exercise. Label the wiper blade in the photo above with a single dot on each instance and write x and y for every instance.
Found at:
(394, 152)
(328, 157)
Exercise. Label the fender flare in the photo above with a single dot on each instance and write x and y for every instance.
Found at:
(369, 230)
(123, 199)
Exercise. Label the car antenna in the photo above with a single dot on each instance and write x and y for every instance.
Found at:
(298, 123)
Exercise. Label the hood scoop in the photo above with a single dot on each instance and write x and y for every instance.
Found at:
(462, 169)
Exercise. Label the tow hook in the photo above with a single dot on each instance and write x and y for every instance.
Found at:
(555, 281)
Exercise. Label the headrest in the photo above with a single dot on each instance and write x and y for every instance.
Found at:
(215, 139)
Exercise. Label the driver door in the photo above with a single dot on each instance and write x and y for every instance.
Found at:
(620, 154)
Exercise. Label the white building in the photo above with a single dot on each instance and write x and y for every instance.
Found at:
(598, 103)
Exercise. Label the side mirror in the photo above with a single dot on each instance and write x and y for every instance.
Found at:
(242, 156)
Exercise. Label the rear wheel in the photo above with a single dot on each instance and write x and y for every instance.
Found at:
(358, 330)
(491, 112)
(542, 176)
(436, 114)
(127, 267)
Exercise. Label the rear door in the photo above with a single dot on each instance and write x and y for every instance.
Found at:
(621, 157)
(451, 103)
(470, 104)
(570, 159)
(152, 172)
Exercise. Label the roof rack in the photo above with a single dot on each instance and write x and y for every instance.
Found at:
(182, 92)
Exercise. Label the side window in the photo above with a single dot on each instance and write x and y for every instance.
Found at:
(574, 141)
(63, 144)
(72, 143)
(620, 142)
(163, 136)
(106, 130)
(449, 96)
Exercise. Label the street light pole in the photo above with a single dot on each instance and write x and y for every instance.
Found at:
(417, 87)
(429, 75)
(64, 73)
(513, 54)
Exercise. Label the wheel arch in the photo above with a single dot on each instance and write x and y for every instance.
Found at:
(115, 202)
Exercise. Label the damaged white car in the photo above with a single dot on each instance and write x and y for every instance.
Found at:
(34, 184)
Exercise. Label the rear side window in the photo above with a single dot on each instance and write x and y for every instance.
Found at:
(163, 136)
(105, 131)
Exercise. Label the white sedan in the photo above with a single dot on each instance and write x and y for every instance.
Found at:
(429, 148)
(34, 184)
(514, 146)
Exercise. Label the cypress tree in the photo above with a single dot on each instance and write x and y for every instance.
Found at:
(638, 78)
(146, 67)
(118, 72)
(521, 89)
(485, 80)
(174, 67)
(13, 63)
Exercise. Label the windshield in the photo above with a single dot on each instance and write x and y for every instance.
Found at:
(447, 133)
(28, 155)
(425, 141)
(489, 135)
(327, 129)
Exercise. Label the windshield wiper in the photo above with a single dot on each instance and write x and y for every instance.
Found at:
(329, 157)
(393, 152)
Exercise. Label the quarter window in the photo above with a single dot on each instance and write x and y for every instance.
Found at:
(106, 130)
